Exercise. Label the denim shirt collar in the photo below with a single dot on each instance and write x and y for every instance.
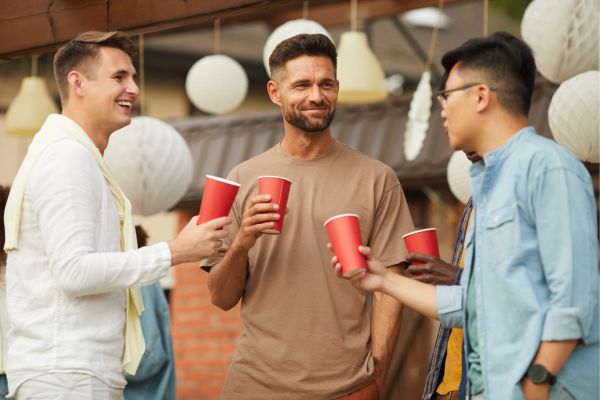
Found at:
(504, 151)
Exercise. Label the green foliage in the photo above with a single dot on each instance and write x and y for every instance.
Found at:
(512, 8)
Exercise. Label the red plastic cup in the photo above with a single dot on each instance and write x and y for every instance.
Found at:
(279, 189)
(344, 235)
(217, 198)
(422, 241)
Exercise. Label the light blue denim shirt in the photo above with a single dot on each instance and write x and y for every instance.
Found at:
(534, 247)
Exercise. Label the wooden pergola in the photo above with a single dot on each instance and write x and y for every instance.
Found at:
(39, 26)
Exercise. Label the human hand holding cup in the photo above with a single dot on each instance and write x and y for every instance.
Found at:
(423, 241)
(217, 198)
(279, 189)
(344, 236)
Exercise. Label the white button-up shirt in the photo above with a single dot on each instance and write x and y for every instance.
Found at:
(66, 280)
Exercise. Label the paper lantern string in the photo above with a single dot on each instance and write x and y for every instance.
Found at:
(34, 65)
(434, 35)
(353, 15)
(305, 10)
(217, 37)
(486, 6)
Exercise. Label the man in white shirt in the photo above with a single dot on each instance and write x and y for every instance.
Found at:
(71, 254)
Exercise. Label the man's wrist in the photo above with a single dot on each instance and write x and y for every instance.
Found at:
(539, 375)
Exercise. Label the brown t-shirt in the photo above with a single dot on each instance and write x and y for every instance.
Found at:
(305, 332)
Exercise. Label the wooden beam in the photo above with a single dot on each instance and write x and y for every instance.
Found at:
(39, 26)
(339, 13)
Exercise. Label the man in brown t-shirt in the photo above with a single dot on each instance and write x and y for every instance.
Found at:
(306, 334)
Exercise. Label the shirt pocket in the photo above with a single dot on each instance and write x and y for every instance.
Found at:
(500, 227)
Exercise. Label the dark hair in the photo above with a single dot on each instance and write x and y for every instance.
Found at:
(505, 60)
(4, 190)
(80, 51)
(315, 44)
(141, 236)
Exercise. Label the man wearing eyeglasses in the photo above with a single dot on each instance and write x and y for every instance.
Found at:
(528, 299)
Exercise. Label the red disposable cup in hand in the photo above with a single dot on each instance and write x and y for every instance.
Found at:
(217, 198)
(422, 241)
(279, 189)
(344, 235)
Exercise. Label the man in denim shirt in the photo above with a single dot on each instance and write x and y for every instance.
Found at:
(528, 299)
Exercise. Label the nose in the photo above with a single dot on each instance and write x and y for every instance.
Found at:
(315, 94)
(443, 113)
(133, 88)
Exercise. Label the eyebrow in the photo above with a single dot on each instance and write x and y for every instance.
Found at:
(122, 72)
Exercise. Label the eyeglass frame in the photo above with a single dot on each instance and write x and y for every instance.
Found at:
(442, 95)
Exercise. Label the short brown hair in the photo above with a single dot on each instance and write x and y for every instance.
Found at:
(304, 44)
(83, 49)
(4, 190)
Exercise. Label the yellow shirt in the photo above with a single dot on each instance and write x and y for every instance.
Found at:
(453, 364)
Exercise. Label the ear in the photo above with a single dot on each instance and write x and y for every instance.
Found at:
(75, 80)
(484, 97)
(273, 90)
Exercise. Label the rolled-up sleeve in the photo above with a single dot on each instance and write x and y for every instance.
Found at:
(449, 302)
(565, 218)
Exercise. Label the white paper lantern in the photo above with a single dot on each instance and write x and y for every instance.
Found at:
(152, 163)
(418, 118)
(216, 84)
(563, 35)
(458, 177)
(573, 115)
(286, 31)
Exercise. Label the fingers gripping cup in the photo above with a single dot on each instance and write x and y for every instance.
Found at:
(217, 198)
(279, 189)
(422, 241)
(344, 235)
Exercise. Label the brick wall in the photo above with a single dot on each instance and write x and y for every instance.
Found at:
(204, 336)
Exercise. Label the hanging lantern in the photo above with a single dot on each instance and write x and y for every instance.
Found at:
(458, 177)
(28, 111)
(216, 84)
(418, 118)
(563, 35)
(152, 163)
(286, 31)
(573, 115)
(360, 74)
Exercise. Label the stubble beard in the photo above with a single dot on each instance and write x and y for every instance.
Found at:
(303, 123)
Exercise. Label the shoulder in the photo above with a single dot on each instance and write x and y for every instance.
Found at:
(543, 155)
(260, 162)
(65, 160)
(363, 160)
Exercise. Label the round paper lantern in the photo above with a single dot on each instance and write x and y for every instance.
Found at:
(458, 177)
(152, 163)
(286, 31)
(216, 84)
(563, 35)
(573, 115)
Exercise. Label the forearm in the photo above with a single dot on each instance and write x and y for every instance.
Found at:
(227, 279)
(553, 355)
(387, 313)
(419, 296)
(93, 273)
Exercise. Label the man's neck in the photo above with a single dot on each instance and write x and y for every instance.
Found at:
(97, 134)
(496, 134)
(306, 145)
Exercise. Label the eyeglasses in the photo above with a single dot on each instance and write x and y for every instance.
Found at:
(443, 94)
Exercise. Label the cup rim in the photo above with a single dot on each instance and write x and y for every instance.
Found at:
(227, 181)
(420, 230)
(340, 216)
(273, 176)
